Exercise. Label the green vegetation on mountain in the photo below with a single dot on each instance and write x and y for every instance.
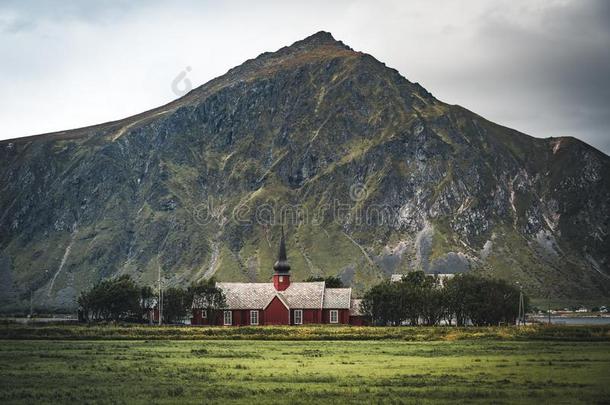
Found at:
(371, 174)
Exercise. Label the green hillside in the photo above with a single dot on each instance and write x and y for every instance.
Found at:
(371, 174)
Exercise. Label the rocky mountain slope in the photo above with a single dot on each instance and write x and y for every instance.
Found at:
(370, 172)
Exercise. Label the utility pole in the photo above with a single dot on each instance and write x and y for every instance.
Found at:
(521, 313)
(31, 303)
(160, 303)
(521, 306)
(159, 266)
(548, 309)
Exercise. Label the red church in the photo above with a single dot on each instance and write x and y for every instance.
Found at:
(283, 302)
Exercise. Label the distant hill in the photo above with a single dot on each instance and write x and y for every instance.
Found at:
(383, 177)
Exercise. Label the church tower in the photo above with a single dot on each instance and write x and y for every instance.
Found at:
(281, 276)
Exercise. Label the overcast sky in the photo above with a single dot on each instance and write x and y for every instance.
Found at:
(541, 67)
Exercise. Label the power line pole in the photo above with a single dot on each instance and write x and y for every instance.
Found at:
(521, 313)
(521, 307)
(160, 303)
(162, 247)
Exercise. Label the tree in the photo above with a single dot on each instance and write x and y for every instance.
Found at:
(382, 304)
(456, 290)
(484, 301)
(148, 299)
(123, 297)
(409, 298)
(415, 297)
(420, 298)
(433, 301)
(330, 281)
(175, 304)
(84, 306)
(113, 299)
(206, 296)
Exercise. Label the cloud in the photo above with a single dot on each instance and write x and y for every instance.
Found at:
(559, 64)
(537, 66)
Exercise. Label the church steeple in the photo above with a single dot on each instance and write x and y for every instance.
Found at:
(281, 277)
(282, 266)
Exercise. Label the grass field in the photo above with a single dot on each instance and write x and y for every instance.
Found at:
(244, 371)
(311, 364)
(309, 332)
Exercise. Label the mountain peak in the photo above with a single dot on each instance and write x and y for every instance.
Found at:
(320, 36)
(316, 46)
(318, 39)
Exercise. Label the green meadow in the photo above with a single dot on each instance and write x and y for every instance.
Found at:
(10, 330)
(313, 371)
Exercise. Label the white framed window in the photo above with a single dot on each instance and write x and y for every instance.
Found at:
(204, 313)
(281, 279)
(228, 318)
(253, 317)
(298, 316)
(334, 316)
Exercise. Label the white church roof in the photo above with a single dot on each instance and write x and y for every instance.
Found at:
(305, 295)
(247, 295)
(337, 298)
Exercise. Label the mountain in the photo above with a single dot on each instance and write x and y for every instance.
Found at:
(371, 174)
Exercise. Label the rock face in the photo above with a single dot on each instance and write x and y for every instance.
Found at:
(371, 174)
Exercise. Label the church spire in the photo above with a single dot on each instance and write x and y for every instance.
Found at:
(282, 266)
(281, 277)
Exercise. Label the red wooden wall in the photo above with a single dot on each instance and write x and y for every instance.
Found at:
(343, 316)
(276, 313)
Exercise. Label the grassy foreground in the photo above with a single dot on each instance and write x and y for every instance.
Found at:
(232, 371)
(314, 332)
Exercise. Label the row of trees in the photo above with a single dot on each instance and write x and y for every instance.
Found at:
(122, 299)
(117, 298)
(421, 299)
(416, 299)
(177, 302)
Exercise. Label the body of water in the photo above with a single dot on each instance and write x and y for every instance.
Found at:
(576, 320)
